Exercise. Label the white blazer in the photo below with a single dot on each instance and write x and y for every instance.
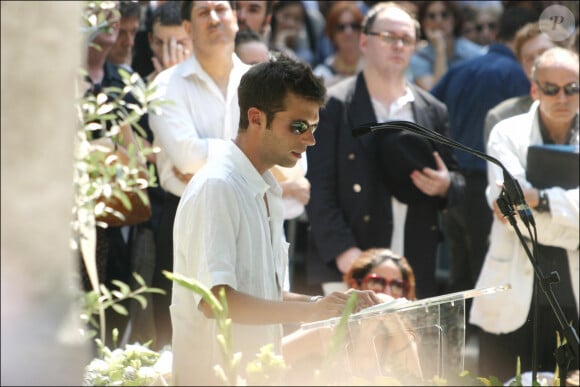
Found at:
(506, 260)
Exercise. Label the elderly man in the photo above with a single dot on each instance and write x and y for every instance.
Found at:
(505, 318)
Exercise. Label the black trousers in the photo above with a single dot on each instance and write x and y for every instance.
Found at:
(467, 227)
(164, 252)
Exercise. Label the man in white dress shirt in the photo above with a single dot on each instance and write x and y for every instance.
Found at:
(202, 114)
(228, 228)
(505, 317)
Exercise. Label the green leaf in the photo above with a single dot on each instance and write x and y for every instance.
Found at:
(120, 309)
(142, 300)
(123, 287)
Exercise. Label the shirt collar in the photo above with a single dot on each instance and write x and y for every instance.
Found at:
(260, 184)
(191, 66)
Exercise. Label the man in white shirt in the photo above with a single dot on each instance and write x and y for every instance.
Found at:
(506, 318)
(203, 112)
(228, 228)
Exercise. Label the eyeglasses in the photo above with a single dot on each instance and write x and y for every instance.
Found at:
(352, 26)
(300, 127)
(378, 283)
(433, 15)
(391, 39)
(552, 90)
(490, 26)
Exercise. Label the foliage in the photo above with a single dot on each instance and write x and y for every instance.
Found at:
(94, 301)
(97, 175)
(135, 365)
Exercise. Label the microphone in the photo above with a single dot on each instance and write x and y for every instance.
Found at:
(511, 186)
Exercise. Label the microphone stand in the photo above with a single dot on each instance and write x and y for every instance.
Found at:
(511, 199)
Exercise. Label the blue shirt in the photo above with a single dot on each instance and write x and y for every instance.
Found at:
(471, 88)
(423, 61)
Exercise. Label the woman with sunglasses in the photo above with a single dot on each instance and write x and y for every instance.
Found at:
(382, 271)
(441, 25)
(343, 28)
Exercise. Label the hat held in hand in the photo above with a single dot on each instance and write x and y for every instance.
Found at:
(400, 153)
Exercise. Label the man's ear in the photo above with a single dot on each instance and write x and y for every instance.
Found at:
(187, 27)
(534, 91)
(255, 117)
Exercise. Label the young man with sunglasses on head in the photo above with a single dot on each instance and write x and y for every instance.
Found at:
(229, 228)
(357, 199)
(506, 318)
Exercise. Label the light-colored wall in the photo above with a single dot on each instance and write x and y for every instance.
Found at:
(40, 56)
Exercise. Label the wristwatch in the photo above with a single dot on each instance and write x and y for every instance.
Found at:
(544, 204)
(315, 298)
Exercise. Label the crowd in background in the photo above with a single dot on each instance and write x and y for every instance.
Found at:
(446, 65)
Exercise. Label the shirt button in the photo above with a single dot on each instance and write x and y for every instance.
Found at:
(351, 156)
(367, 218)
(356, 188)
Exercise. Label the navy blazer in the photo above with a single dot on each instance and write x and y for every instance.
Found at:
(350, 203)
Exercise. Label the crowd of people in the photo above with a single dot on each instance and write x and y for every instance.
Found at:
(265, 193)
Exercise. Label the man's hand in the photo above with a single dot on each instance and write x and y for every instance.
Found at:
(298, 189)
(333, 305)
(345, 260)
(173, 53)
(433, 182)
(183, 177)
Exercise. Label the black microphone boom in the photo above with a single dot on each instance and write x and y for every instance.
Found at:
(510, 198)
(511, 185)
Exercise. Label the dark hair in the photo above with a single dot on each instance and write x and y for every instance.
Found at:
(334, 13)
(129, 8)
(245, 36)
(512, 19)
(269, 6)
(266, 85)
(167, 14)
(371, 258)
(451, 6)
(308, 23)
(379, 8)
(186, 7)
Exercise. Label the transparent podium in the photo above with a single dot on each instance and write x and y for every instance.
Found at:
(408, 341)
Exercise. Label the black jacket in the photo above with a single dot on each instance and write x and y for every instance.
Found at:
(350, 202)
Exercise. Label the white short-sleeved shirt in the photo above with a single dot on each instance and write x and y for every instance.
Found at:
(197, 117)
(223, 236)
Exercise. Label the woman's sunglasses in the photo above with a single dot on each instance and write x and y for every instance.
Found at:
(352, 26)
(378, 283)
(551, 90)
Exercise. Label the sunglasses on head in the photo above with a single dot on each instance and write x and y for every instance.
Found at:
(551, 90)
(352, 26)
(378, 283)
(300, 127)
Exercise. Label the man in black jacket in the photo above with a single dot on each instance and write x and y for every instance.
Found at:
(384, 189)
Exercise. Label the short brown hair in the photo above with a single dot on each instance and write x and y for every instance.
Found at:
(334, 13)
(372, 258)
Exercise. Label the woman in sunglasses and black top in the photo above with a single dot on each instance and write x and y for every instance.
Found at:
(343, 28)
(382, 271)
